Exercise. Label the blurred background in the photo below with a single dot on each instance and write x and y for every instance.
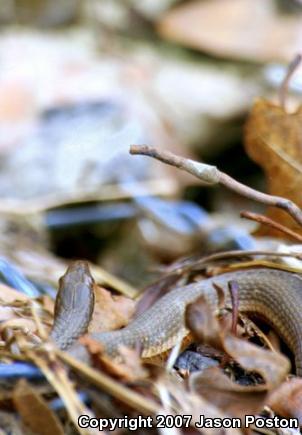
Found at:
(80, 81)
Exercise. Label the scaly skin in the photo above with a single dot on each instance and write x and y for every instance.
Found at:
(74, 304)
(273, 295)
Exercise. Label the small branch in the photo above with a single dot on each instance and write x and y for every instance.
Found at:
(207, 173)
(211, 175)
(284, 85)
(271, 223)
(196, 265)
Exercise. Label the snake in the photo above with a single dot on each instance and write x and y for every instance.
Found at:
(273, 295)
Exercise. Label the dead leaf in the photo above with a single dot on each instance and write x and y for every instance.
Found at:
(213, 384)
(231, 397)
(128, 367)
(286, 400)
(110, 311)
(154, 291)
(203, 324)
(273, 139)
(190, 403)
(272, 366)
(34, 410)
(235, 28)
(94, 347)
(205, 328)
(57, 376)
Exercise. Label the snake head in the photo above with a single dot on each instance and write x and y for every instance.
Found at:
(75, 288)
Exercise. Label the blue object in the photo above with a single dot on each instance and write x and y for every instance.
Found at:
(58, 404)
(20, 369)
(11, 276)
(62, 218)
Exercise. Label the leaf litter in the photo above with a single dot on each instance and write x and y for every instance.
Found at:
(241, 369)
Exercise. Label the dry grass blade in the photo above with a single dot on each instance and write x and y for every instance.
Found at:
(196, 264)
(56, 375)
(259, 263)
(122, 393)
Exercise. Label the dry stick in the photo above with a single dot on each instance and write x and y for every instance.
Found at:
(283, 90)
(225, 256)
(271, 223)
(210, 175)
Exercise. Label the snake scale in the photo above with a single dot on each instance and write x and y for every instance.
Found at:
(272, 294)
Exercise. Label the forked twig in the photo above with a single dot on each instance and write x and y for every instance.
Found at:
(211, 175)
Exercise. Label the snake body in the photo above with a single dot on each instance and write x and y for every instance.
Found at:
(274, 295)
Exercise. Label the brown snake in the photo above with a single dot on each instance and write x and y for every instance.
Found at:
(274, 295)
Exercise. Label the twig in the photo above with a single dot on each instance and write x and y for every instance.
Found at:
(283, 90)
(211, 175)
(39, 325)
(198, 263)
(271, 223)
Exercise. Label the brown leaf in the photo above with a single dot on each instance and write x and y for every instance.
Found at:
(110, 311)
(128, 367)
(203, 325)
(34, 410)
(154, 291)
(235, 28)
(232, 398)
(94, 347)
(190, 403)
(272, 366)
(214, 385)
(286, 400)
(273, 139)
